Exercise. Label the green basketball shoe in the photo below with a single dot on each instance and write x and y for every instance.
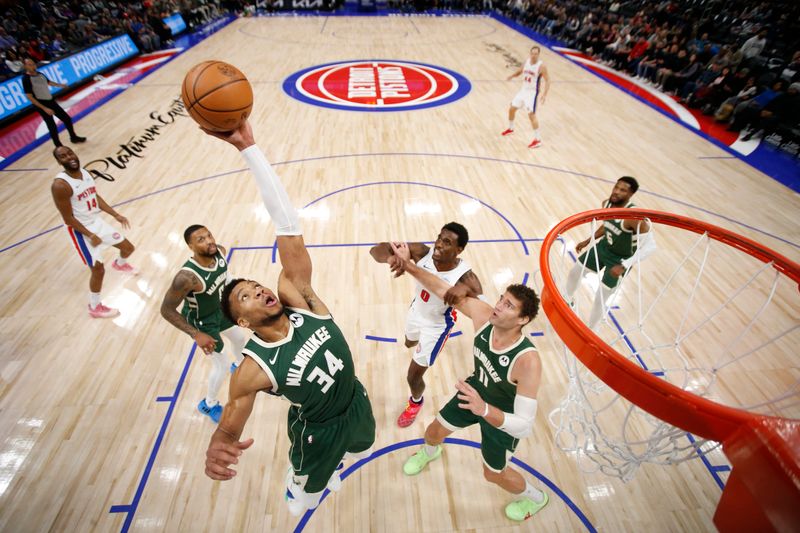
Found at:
(419, 460)
(525, 508)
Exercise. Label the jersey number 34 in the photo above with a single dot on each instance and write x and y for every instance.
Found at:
(326, 378)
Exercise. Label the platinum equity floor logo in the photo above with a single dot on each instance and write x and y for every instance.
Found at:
(376, 85)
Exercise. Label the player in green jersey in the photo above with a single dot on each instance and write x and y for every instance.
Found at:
(296, 351)
(500, 395)
(620, 243)
(198, 284)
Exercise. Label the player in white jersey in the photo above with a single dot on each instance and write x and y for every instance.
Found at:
(532, 94)
(430, 319)
(80, 205)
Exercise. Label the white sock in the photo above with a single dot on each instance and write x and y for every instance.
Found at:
(532, 492)
(416, 400)
(511, 124)
(536, 134)
(573, 280)
(238, 339)
(430, 451)
(94, 299)
(219, 371)
(121, 261)
(600, 305)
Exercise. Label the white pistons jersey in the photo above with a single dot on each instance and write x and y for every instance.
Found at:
(84, 197)
(429, 306)
(530, 75)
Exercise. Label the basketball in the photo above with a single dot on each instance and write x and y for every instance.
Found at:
(217, 95)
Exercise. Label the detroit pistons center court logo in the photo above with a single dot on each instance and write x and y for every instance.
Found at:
(376, 85)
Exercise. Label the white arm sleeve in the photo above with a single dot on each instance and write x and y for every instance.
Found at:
(647, 245)
(519, 424)
(277, 202)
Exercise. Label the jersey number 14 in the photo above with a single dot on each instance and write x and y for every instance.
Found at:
(326, 378)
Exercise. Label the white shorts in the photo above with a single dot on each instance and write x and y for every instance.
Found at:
(93, 254)
(525, 98)
(432, 336)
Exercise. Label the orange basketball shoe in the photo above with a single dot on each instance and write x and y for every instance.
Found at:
(536, 143)
(410, 413)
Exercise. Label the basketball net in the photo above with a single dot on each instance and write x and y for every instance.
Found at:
(699, 314)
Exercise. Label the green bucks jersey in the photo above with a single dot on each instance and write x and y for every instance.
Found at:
(492, 376)
(205, 302)
(312, 367)
(621, 241)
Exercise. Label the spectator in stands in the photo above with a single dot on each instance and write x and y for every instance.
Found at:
(13, 62)
(746, 113)
(753, 46)
(36, 88)
(6, 40)
(783, 110)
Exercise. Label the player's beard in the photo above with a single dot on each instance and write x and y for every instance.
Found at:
(271, 320)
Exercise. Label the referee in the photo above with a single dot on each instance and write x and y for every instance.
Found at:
(35, 85)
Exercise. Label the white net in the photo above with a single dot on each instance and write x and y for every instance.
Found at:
(704, 316)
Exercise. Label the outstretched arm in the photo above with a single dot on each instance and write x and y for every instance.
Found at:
(291, 248)
(382, 251)
(225, 447)
(477, 310)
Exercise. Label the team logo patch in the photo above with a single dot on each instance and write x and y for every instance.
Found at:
(376, 85)
(504, 360)
(116, 235)
(296, 319)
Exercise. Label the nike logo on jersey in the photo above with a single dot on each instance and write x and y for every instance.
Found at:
(484, 339)
(272, 361)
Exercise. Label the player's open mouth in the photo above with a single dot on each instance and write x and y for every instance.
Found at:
(269, 301)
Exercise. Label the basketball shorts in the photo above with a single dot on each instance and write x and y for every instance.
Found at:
(93, 254)
(606, 259)
(525, 98)
(431, 336)
(318, 448)
(212, 325)
(497, 446)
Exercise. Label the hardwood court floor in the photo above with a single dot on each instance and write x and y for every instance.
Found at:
(79, 398)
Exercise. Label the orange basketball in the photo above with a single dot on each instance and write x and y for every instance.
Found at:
(217, 95)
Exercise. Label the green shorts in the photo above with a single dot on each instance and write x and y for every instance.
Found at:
(317, 449)
(497, 446)
(607, 260)
(212, 325)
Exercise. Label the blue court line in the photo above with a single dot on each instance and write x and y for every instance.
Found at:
(455, 334)
(525, 279)
(460, 442)
(130, 509)
(165, 398)
(416, 154)
(537, 333)
(380, 339)
(420, 183)
(712, 469)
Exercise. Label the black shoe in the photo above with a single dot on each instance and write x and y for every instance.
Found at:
(78, 139)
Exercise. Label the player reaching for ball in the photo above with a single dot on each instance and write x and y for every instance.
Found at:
(297, 351)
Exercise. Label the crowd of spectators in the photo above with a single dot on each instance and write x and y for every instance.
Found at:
(735, 60)
(48, 29)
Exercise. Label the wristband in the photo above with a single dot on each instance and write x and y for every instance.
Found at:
(485, 411)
